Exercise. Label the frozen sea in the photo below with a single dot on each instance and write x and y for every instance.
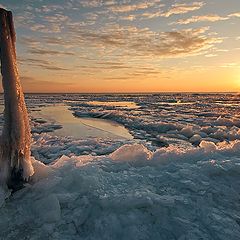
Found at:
(129, 166)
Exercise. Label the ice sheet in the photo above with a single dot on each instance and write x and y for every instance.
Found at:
(131, 194)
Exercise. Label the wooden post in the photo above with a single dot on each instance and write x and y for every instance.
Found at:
(15, 162)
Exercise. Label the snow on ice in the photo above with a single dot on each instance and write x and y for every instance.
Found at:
(188, 188)
(131, 194)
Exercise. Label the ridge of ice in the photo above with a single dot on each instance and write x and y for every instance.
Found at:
(173, 194)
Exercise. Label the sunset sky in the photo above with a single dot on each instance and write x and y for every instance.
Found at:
(127, 45)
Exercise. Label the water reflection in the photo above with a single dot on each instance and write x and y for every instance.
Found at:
(114, 104)
(179, 102)
(81, 127)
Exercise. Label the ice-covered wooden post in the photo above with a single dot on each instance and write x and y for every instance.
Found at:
(15, 162)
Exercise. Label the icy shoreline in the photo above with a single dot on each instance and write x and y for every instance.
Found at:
(131, 194)
(159, 119)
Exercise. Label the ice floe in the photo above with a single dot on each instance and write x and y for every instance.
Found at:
(132, 193)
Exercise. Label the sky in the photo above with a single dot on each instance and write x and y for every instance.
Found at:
(127, 45)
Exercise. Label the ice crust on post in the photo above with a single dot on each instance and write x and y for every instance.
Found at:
(15, 161)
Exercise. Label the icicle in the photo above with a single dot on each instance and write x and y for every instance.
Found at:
(15, 162)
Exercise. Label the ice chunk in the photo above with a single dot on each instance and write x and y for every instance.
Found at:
(87, 197)
(219, 134)
(187, 131)
(221, 121)
(208, 146)
(135, 152)
(236, 121)
(48, 208)
(195, 138)
(40, 170)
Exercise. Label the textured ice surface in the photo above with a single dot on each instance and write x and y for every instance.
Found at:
(167, 194)
(181, 182)
(158, 119)
(55, 147)
(187, 118)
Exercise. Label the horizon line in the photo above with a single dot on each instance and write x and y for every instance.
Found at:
(160, 92)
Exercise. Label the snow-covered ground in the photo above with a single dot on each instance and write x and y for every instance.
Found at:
(179, 178)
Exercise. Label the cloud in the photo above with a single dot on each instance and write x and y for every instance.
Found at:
(143, 42)
(54, 68)
(96, 40)
(151, 14)
(117, 5)
(131, 7)
(128, 18)
(230, 65)
(56, 18)
(49, 22)
(33, 85)
(237, 14)
(116, 78)
(24, 19)
(29, 41)
(49, 8)
(29, 85)
(112, 65)
(46, 28)
(42, 51)
(211, 55)
(44, 64)
(174, 10)
(180, 8)
(204, 18)
(91, 4)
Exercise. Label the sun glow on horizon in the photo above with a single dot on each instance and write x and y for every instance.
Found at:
(119, 46)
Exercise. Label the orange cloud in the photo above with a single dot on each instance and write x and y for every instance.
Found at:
(205, 18)
(180, 8)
